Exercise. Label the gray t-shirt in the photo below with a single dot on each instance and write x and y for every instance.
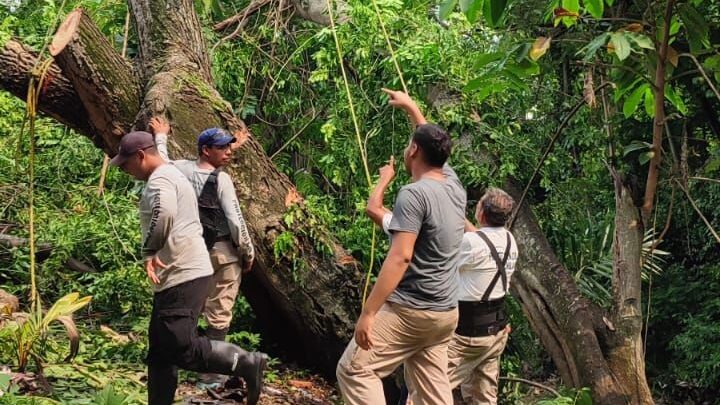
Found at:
(435, 211)
(171, 228)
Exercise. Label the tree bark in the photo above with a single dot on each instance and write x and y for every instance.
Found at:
(625, 349)
(58, 98)
(569, 326)
(102, 78)
(659, 120)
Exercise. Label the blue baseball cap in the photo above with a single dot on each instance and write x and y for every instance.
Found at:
(214, 137)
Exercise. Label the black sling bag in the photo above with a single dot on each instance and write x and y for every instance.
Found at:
(211, 213)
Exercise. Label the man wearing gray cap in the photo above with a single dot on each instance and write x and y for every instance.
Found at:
(178, 265)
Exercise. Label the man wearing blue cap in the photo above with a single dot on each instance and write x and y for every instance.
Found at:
(224, 229)
(178, 265)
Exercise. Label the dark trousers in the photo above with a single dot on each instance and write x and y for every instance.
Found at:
(174, 338)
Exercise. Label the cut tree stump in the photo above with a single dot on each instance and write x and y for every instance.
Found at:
(102, 78)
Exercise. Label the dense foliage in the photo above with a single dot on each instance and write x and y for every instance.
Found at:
(497, 89)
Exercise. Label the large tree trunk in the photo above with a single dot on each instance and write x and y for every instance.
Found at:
(568, 325)
(102, 78)
(57, 98)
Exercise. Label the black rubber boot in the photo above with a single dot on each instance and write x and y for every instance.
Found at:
(213, 381)
(229, 359)
(216, 334)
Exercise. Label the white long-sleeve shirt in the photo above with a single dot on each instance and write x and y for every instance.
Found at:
(174, 235)
(234, 226)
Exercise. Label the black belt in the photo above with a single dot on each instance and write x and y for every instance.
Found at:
(481, 318)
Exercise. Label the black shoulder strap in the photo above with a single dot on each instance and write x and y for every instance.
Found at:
(501, 274)
(208, 197)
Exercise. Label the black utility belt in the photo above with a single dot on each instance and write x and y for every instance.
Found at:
(478, 318)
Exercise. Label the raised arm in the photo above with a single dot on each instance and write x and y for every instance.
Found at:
(375, 208)
(160, 127)
(403, 101)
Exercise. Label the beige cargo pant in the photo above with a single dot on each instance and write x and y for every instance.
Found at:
(474, 365)
(417, 338)
(225, 285)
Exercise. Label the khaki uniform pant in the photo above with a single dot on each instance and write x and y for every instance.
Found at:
(474, 364)
(224, 286)
(414, 337)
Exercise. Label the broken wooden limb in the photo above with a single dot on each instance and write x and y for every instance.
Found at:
(58, 98)
(104, 81)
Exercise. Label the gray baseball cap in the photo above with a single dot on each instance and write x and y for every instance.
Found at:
(130, 144)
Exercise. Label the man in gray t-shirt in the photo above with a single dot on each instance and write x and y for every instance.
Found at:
(411, 313)
(434, 210)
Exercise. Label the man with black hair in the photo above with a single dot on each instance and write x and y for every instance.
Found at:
(411, 312)
(178, 265)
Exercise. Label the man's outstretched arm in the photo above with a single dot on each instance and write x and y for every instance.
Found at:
(403, 101)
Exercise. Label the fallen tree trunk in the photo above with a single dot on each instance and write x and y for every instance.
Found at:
(102, 78)
(58, 98)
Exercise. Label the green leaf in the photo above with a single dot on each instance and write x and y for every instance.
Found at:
(636, 146)
(584, 397)
(524, 68)
(712, 63)
(446, 7)
(696, 26)
(620, 45)
(485, 58)
(591, 49)
(571, 5)
(513, 79)
(649, 102)
(675, 99)
(471, 8)
(494, 11)
(642, 41)
(610, 2)
(623, 88)
(633, 101)
(476, 83)
(596, 8)
(645, 157)
(491, 89)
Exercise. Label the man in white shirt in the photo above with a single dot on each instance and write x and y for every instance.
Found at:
(486, 264)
